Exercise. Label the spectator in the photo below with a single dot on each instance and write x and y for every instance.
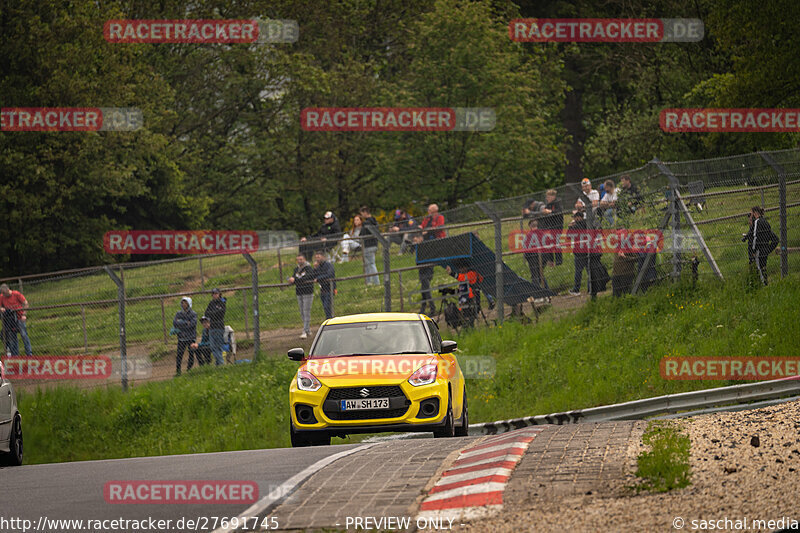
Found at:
(532, 207)
(629, 197)
(608, 203)
(303, 280)
(425, 277)
(370, 246)
(323, 274)
(536, 260)
(623, 273)
(15, 301)
(433, 220)
(469, 296)
(578, 224)
(203, 349)
(215, 311)
(350, 242)
(553, 219)
(329, 233)
(9, 318)
(403, 225)
(594, 196)
(761, 240)
(185, 322)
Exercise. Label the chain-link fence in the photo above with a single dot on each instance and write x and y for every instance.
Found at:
(122, 324)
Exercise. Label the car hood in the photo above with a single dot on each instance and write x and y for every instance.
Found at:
(355, 370)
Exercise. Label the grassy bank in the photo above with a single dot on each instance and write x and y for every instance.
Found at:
(605, 353)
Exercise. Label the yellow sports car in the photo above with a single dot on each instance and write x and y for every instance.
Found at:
(377, 372)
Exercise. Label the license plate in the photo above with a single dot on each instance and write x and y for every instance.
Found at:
(364, 403)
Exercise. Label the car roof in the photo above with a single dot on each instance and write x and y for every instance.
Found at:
(375, 317)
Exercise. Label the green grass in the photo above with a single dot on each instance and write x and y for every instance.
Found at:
(666, 465)
(609, 351)
(605, 353)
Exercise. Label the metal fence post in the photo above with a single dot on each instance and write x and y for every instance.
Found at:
(256, 329)
(244, 308)
(400, 288)
(331, 283)
(498, 257)
(122, 341)
(387, 267)
(202, 278)
(280, 267)
(781, 211)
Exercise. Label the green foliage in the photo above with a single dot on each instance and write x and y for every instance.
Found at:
(666, 465)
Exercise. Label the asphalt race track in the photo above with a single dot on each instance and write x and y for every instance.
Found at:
(75, 490)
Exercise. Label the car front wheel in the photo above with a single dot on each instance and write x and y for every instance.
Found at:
(449, 428)
(14, 457)
(463, 429)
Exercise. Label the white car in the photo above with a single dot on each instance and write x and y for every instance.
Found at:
(10, 424)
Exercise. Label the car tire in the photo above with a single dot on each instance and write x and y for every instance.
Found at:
(463, 429)
(449, 428)
(301, 439)
(14, 457)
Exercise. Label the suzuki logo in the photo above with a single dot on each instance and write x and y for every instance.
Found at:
(364, 392)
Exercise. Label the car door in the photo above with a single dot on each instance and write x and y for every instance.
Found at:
(5, 406)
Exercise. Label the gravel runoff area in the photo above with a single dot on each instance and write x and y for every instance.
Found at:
(745, 465)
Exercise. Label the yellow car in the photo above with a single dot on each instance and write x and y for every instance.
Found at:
(377, 372)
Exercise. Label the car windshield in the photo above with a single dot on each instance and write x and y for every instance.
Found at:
(372, 338)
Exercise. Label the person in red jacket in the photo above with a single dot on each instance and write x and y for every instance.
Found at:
(433, 220)
(14, 301)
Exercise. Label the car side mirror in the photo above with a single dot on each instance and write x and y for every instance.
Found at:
(449, 346)
(297, 354)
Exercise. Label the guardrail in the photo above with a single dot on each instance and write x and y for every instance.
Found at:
(660, 405)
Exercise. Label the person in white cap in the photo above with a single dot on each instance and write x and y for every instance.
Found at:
(594, 196)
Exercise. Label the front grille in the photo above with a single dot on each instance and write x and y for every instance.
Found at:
(354, 393)
(366, 415)
(398, 403)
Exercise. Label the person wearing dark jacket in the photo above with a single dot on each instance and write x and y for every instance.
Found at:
(760, 242)
(370, 246)
(329, 233)
(303, 280)
(185, 322)
(204, 347)
(215, 311)
(553, 219)
(323, 274)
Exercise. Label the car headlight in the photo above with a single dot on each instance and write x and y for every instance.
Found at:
(307, 382)
(425, 375)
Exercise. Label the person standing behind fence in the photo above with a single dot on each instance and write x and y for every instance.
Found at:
(425, 278)
(215, 311)
(433, 220)
(370, 245)
(185, 322)
(204, 347)
(323, 274)
(761, 240)
(15, 301)
(303, 280)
